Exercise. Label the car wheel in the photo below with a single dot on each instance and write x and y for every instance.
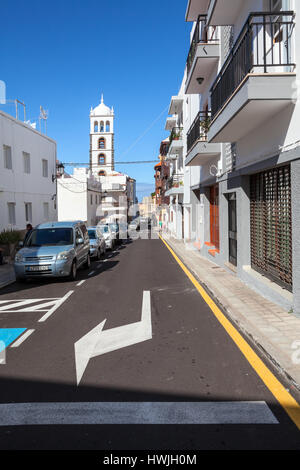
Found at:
(73, 272)
(87, 264)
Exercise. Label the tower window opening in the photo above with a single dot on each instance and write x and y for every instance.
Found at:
(102, 173)
(101, 126)
(107, 129)
(95, 126)
(101, 143)
(101, 159)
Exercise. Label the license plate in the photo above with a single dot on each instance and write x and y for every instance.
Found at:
(38, 268)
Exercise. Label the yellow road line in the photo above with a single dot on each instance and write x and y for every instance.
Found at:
(285, 399)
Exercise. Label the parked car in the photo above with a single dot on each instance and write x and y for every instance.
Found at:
(145, 223)
(123, 230)
(133, 229)
(54, 249)
(115, 228)
(97, 242)
(107, 235)
(135, 224)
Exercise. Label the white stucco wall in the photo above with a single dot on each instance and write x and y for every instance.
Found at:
(18, 187)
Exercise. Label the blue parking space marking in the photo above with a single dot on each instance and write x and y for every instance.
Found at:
(8, 335)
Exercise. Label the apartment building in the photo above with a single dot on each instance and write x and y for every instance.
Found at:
(175, 160)
(27, 175)
(242, 158)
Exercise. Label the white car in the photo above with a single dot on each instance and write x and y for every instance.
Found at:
(97, 242)
(108, 236)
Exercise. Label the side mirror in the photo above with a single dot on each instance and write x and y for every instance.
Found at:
(79, 241)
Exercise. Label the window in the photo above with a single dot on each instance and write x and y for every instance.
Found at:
(45, 168)
(11, 213)
(7, 157)
(96, 199)
(28, 212)
(101, 126)
(95, 126)
(46, 210)
(101, 159)
(101, 143)
(78, 235)
(102, 173)
(91, 199)
(50, 237)
(26, 160)
(107, 126)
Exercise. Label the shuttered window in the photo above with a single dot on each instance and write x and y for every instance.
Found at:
(271, 227)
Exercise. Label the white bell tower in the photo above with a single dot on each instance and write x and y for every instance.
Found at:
(102, 140)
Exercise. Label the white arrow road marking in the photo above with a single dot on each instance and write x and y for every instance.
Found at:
(97, 341)
(239, 412)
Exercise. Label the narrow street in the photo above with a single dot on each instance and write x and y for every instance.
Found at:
(171, 363)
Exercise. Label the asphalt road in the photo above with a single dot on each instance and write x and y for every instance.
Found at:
(183, 385)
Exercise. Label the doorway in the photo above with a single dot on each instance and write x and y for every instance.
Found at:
(232, 228)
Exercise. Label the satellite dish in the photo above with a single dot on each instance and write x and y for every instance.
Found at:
(214, 170)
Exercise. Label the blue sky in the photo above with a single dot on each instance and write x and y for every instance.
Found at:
(64, 54)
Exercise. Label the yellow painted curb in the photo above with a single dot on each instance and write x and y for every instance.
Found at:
(285, 399)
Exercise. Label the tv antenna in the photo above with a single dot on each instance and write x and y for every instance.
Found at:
(43, 117)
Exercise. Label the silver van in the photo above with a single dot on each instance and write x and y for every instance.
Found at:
(54, 249)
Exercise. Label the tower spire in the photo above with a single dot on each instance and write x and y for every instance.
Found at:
(101, 98)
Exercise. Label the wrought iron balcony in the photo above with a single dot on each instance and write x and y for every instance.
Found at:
(203, 34)
(199, 128)
(263, 46)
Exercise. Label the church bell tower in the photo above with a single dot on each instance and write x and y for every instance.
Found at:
(102, 140)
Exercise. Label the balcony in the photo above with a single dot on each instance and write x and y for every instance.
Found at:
(199, 151)
(257, 79)
(194, 8)
(203, 56)
(176, 141)
(176, 105)
(224, 12)
(175, 185)
(170, 123)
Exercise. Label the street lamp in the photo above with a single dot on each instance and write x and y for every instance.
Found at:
(59, 171)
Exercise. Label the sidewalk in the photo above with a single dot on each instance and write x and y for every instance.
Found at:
(273, 329)
(7, 274)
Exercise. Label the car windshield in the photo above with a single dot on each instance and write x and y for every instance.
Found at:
(103, 228)
(92, 234)
(50, 237)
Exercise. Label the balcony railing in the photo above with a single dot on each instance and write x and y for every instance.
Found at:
(202, 34)
(199, 128)
(263, 46)
(176, 134)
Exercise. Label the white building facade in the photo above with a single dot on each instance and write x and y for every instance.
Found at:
(79, 196)
(242, 158)
(175, 159)
(27, 175)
